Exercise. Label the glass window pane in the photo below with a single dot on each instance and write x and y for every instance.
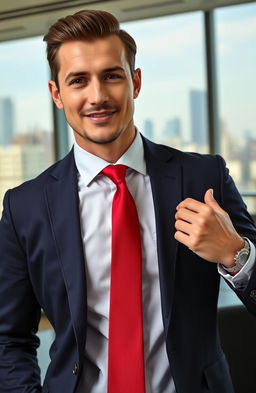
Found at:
(171, 107)
(26, 145)
(236, 56)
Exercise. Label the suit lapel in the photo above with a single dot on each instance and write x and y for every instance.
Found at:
(63, 204)
(165, 177)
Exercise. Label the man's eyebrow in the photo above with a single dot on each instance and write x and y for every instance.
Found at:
(112, 69)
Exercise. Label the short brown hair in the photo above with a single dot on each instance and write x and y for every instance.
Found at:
(86, 25)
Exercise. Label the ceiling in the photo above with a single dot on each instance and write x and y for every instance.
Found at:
(26, 18)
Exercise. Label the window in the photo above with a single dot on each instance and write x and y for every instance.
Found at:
(171, 107)
(26, 145)
(236, 57)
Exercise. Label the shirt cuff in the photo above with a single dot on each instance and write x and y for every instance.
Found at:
(241, 279)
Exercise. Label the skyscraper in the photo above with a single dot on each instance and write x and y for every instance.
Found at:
(198, 116)
(149, 129)
(6, 121)
(172, 128)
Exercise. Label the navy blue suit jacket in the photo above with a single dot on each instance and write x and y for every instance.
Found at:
(42, 266)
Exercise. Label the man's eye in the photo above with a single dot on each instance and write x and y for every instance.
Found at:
(112, 76)
(77, 81)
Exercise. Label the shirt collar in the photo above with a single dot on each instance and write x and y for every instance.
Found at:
(89, 165)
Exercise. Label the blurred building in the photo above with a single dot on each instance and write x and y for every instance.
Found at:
(29, 155)
(10, 168)
(198, 117)
(172, 128)
(7, 117)
(149, 129)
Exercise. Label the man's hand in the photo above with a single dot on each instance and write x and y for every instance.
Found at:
(206, 229)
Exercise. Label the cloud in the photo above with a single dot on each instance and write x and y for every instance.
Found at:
(169, 37)
(27, 51)
(234, 35)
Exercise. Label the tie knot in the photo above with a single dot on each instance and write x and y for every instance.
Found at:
(115, 172)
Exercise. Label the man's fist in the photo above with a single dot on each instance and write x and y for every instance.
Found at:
(206, 229)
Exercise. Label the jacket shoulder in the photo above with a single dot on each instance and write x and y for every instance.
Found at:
(182, 157)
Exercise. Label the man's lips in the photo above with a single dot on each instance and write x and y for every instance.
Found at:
(98, 115)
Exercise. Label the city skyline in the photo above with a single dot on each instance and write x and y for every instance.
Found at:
(172, 57)
(167, 74)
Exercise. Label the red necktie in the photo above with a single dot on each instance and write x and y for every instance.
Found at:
(125, 357)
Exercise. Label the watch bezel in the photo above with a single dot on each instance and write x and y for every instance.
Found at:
(240, 258)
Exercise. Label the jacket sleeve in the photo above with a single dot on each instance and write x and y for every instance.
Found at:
(232, 202)
(19, 314)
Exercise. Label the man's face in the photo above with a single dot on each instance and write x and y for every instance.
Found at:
(96, 91)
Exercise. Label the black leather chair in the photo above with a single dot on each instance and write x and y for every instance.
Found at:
(238, 337)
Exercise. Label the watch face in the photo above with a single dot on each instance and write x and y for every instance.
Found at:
(242, 257)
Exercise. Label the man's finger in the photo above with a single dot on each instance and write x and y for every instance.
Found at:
(186, 215)
(182, 238)
(210, 201)
(183, 226)
(191, 204)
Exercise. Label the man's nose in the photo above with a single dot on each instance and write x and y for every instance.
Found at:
(97, 92)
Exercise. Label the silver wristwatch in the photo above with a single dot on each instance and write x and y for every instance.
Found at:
(240, 258)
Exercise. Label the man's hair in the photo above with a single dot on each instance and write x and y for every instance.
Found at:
(86, 25)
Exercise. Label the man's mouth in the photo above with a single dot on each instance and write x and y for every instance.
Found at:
(100, 117)
(97, 115)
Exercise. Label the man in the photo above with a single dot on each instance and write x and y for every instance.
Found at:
(56, 234)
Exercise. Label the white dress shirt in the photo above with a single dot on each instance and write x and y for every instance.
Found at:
(95, 195)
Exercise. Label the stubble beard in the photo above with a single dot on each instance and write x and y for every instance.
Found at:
(99, 141)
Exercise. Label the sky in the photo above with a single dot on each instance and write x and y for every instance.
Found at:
(171, 56)
(173, 63)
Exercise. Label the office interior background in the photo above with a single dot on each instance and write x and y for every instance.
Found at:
(198, 61)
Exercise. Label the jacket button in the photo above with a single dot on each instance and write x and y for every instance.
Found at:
(253, 294)
(75, 369)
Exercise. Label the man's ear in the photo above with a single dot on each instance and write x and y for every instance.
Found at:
(136, 82)
(55, 94)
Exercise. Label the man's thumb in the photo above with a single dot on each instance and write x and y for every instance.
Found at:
(210, 201)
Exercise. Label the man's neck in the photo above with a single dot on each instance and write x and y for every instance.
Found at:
(110, 152)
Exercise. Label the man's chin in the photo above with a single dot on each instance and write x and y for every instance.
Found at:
(99, 139)
(102, 141)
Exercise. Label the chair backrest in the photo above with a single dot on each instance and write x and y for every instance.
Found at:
(238, 337)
